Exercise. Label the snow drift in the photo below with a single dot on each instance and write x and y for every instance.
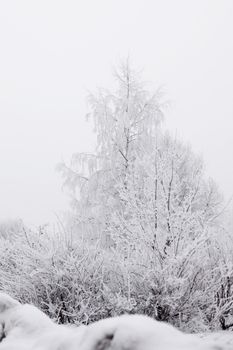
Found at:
(25, 327)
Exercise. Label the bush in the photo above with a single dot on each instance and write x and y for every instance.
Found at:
(76, 281)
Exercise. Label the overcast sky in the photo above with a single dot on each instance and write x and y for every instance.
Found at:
(52, 52)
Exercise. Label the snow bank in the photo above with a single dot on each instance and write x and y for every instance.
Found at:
(25, 327)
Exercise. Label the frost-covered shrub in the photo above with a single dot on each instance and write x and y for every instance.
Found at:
(64, 280)
(71, 281)
(78, 281)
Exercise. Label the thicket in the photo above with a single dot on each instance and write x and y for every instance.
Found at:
(146, 234)
(76, 281)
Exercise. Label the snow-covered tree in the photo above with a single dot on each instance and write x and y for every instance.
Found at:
(145, 197)
(141, 184)
(125, 121)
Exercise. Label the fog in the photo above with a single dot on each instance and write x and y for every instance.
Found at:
(54, 52)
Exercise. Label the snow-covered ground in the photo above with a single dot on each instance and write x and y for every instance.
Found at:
(25, 327)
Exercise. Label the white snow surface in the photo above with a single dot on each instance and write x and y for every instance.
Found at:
(25, 327)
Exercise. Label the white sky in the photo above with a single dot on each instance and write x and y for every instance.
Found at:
(52, 52)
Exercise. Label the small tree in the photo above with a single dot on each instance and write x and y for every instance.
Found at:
(144, 195)
(125, 121)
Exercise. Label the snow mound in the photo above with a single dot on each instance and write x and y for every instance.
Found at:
(25, 327)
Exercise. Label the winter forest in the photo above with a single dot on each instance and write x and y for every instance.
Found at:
(148, 232)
